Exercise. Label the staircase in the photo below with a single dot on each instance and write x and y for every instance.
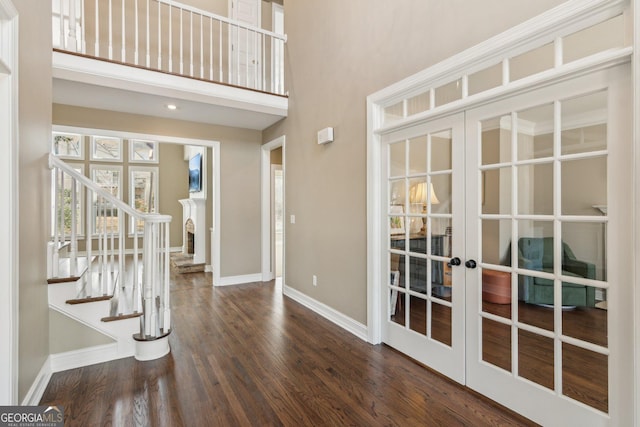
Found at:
(120, 291)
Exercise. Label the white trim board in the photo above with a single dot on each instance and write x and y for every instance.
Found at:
(239, 280)
(265, 203)
(39, 385)
(334, 316)
(85, 357)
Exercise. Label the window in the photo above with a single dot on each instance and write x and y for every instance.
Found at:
(106, 149)
(143, 151)
(67, 145)
(143, 193)
(105, 214)
(67, 202)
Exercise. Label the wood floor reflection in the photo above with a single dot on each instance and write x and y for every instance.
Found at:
(248, 356)
(584, 373)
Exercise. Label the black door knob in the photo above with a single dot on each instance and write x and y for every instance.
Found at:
(454, 261)
(470, 264)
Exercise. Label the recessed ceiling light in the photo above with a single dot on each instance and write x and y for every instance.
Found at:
(172, 106)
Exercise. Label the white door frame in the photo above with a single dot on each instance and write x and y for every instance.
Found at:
(267, 273)
(9, 198)
(274, 258)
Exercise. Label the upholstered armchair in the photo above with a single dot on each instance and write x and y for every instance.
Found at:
(536, 253)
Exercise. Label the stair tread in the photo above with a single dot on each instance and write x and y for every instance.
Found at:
(93, 289)
(64, 270)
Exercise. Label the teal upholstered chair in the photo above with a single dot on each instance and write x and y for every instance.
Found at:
(536, 253)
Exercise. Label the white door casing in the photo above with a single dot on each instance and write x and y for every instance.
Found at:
(9, 194)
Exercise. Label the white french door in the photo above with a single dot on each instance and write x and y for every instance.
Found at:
(246, 45)
(511, 272)
(424, 308)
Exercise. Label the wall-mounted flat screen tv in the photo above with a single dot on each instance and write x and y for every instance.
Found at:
(195, 173)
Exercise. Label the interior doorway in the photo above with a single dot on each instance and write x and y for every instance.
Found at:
(273, 212)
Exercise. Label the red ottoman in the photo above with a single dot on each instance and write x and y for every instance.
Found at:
(496, 286)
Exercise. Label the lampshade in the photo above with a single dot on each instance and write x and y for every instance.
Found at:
(418, 194)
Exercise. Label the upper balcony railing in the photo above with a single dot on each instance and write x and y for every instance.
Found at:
(172, 37)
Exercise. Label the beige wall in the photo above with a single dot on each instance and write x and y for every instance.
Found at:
(34, 121)
(65, 334)
(239, 183)
(338, 53)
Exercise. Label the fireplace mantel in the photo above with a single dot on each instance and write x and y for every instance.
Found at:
(194, 209)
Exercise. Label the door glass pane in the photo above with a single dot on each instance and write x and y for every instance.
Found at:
(535, 245)
(583, 192)
(441, 195)
(418, 195)
(418, 155)
(398, 314)
(418, 103)
(441, 151)
(584, 123)
(597, 38)
(496, 241)
(485, 79)
(535, 132)
(448, 93)
(584, 322)
(535, 189)
(585, 376)
(393, 112)
(441, 323)
(441, 236)
(418, 274)
(496, 140)
(397, 193)
(535, 302)
(397, 159)
(418, 318)
(496, 292)
(532, 62)
(535, 358)
(495, 191)
(496, 344)
(584, 250)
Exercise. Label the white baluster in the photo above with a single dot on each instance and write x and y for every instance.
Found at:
(170, 39)
(136, 289)
(220, 51)
(83, 25)
(246, 57)
(72, 41)
(110, 29)
(97, 46)
(264, 61)
(201, 48)
(136, 53)
(191, 44)
(181, 45)
(123, 54)
(166, 283)
(88, 230)
(63, 236)
(62, 32)
(148, 51)
(55, 261)
(159, 37)
(210, 49)
(73, 260)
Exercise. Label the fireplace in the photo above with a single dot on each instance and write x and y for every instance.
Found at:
(190, 233)
(194, 226)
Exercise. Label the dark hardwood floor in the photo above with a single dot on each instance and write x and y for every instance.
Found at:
(247, 356)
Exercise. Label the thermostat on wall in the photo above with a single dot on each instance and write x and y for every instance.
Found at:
(325, 135)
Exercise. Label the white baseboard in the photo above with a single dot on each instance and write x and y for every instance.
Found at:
(84, 357)
(33, 396)
(238, 280)
(345, 322)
